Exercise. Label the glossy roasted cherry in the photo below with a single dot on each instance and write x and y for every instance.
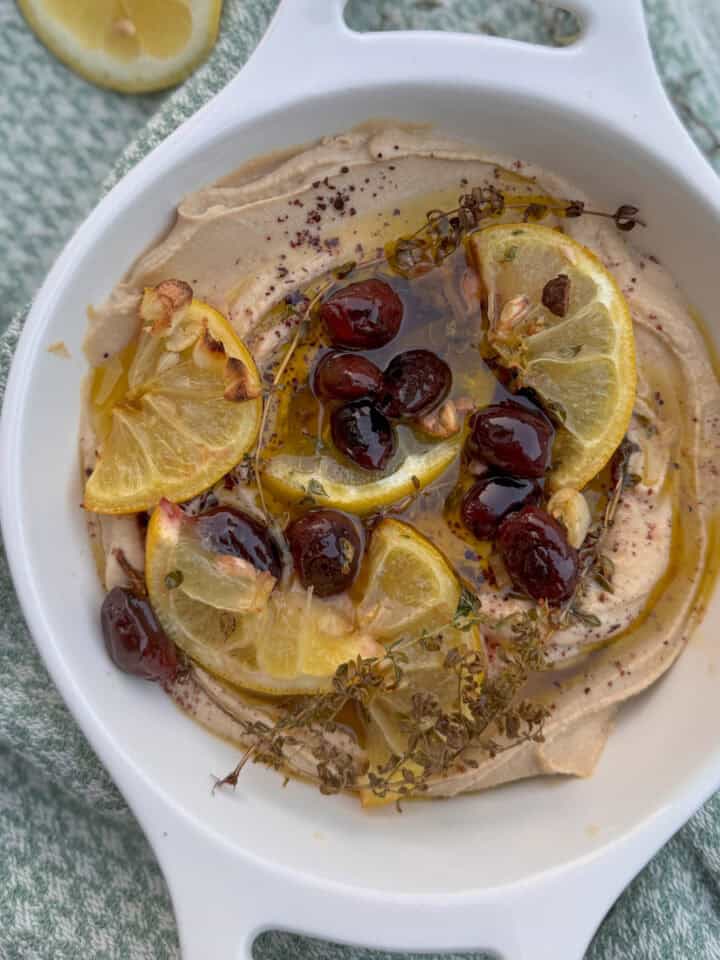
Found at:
(537, 555)
(230, 531)
(362, 316)
(414, 383)
(136, 642)
(512, 438)
(326, 548)
(491, 499)
(346, 376)
(363, 434)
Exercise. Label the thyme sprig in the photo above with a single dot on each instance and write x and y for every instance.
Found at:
(487, 718)
(594, 564)
(135, 577)
(444, 230)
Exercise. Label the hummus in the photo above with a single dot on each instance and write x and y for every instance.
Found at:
(278, 223)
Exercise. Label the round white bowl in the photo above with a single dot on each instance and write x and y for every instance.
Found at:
(527, 870)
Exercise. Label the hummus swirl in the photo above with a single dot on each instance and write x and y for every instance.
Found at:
(247, 242)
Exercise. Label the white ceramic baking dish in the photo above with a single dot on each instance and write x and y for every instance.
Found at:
(528, 870)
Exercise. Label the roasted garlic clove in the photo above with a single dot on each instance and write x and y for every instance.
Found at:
(178, 292)
(441, 423)
(512, 312)
(570, 507)
(155, 311)
(208, 352)
(163, 310)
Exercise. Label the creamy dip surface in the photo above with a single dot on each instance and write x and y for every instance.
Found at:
(279, 222)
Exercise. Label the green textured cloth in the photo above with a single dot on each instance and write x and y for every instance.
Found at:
(77, 878)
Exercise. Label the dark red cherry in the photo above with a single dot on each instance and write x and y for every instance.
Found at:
(346, 376)
(136, 642)
(326, 549)
(537, 555)
(491, 499)
(362, 316)
(512, 438)
(414, 383)
(363, 434)
(227, 530)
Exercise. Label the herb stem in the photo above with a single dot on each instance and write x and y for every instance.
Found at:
(276, 380)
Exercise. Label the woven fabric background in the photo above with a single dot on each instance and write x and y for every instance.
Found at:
(77, 878)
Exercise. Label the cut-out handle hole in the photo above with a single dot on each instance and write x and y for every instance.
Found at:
(278, 945)
(525, 20)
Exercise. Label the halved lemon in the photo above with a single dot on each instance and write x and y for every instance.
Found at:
(178, 424)
(335, 484)
(228, 617)
(558, 316)
(127, 45)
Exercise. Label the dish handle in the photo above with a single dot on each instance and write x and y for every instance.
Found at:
(220, 905)
(609, 71)
(224, 899)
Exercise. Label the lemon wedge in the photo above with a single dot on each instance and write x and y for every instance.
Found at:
(188, 411)
(409, 585)
(558, 317)
(128, 45)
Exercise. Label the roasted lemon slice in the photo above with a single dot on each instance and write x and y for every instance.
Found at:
(189, 411)
(127, 45)
(335, 484)
(558, 316)
(237, 623)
